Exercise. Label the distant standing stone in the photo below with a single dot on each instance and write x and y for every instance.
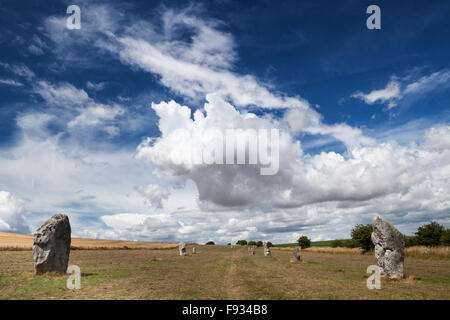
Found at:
(296, 255)
(266, 249)
(182, 248)
(194, 250)
(51, 245)
(389, 248)
(252, 251)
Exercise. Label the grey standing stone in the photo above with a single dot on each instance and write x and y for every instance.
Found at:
(296, 255)
(266, 249)
(252, 251)
(194, 250)
(389, 248)
(182, 248)
(51, 245)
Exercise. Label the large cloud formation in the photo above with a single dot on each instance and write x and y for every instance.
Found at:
(364, 172)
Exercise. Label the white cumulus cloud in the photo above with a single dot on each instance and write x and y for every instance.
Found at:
(12, 214)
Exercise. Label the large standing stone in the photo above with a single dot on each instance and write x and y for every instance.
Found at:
(51, 247)
(389, 248)
(266, 249)
(182, 248)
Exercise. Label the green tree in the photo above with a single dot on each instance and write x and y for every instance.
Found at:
(241, 242)
(430, 234)
(411, 241)
(304, 242)
(252, 243)
(336, 243)
(349, 243)
(210, 243)
(269, 244)
(259, 244)
(361, 235)
(445, 238)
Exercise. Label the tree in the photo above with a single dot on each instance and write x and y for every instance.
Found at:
(241, 242)
(210, 243)
(269, 244)
(259, 244)
(336, 243)
(411, 241)
(304, 242)
(361, 235)
(252, 243)
(445, 238)
(430, 234)
(349, 243)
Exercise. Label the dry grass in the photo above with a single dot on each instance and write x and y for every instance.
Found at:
(18, 242)
(434, 253)
(325, 250)
(418, 252)
(335, 250)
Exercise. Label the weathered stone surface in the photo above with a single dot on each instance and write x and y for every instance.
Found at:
(389, 248)
(51, 247)
(194, 250)
(182, 248)
(266, 249)
(252, 251)
(296, 255)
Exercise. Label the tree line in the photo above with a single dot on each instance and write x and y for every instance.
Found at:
(253, 243)
(431, 234)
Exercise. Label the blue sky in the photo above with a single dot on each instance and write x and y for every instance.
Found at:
(363, 114)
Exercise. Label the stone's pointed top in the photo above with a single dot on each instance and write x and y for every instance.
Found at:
(382, 224)
(377, 218)
(60, 216)
(55, 219)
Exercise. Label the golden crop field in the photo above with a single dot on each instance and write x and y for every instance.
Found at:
(13, 241)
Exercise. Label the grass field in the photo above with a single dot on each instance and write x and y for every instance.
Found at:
(219, 272)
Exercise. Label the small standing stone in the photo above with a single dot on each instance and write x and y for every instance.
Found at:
(182, 248)
(389, 248)
(296, 256)
(266, 249)
(51, 245)
(252, 251)
(194, 250)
